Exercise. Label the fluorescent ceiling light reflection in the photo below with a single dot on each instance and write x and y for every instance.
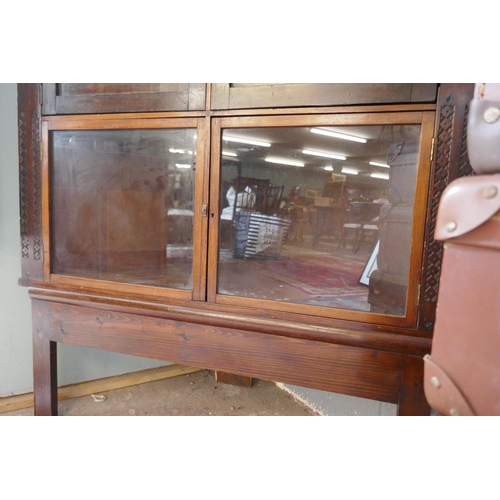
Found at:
(183, 165)
(244, 140)
(337, 135)
(379, 176)
(329, 168)
(180, 151)
(284, 161)
(377, 164)
(228, 153)
(347, 170)
(323, 154)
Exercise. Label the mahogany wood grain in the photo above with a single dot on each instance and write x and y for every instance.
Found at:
(412, 401)
(44, 362)
(124, 288)
(317, 94)
(200, 226)
(94, 122)
(391, 339)
(214, 212)
(423, 92)
(69, 89)
(347, 370)
(86, 290)
(232, 379)
(118, 98)
(326, 110)
(333, 119)
(220, 96)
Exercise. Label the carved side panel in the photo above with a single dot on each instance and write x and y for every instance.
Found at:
(37, 185)
(24, 196)
(30, 184)
(450, 161)
(441, 175)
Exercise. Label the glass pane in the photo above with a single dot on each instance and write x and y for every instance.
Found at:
(311, 217)
(122, 205)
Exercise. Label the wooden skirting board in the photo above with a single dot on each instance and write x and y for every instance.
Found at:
(12, 403)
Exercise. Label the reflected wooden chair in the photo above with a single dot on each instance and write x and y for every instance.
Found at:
(360, 225)
(251, 194)
(368, 233)
(273, 200)
(352, 225)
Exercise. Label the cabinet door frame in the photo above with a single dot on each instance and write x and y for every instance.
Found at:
(423, 118)
(200, 226)
(226, 96)
(54, 102)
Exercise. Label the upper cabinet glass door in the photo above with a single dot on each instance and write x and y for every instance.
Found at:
(123, 204)
(322, 215)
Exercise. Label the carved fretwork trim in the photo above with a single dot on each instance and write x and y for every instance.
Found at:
(441, 179)
(37, 186)
(23, 181)
(465, 168)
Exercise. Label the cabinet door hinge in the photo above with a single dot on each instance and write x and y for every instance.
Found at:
(204, 210)
(432, 149)
(419, 291)
(40, 94)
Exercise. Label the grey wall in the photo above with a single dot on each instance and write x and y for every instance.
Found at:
(15, 315)
(78, 364)
(331, 404)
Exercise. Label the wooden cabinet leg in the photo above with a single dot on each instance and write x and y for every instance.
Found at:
(230, 378)
(44, 363)
(412, 399)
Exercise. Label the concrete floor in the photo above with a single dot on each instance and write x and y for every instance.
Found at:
(195, 394)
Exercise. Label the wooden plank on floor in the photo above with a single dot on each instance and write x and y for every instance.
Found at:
(13, 403)
(232, 379)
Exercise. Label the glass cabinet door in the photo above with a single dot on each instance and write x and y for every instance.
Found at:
(322, 216)
(122, 205)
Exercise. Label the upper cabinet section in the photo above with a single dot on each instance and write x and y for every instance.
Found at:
(91, 98)
(83, 98)
(285, 95)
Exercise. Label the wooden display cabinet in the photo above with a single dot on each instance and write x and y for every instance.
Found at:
(122, 190)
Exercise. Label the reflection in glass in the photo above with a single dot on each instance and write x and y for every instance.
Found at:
(122, 205)
(319, 218)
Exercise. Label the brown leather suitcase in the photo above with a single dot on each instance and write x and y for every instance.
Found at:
(462, 373)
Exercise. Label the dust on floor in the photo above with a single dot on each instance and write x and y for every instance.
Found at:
(195, 394)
